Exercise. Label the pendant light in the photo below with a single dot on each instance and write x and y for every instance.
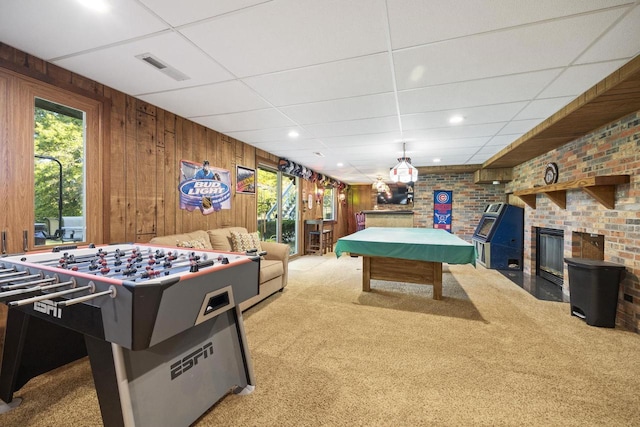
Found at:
(380, 186)
(403, 171)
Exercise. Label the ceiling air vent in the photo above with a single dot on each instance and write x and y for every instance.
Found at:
(163, 67)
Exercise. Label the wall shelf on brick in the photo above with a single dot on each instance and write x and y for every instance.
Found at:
(601, 188)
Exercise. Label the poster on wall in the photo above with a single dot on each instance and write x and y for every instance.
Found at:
(204, 187)
(442, 209)
(245, 180)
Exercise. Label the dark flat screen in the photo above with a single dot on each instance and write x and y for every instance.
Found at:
(398, 195)
(485, 226)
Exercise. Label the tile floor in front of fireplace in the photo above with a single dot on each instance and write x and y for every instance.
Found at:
(535, 285)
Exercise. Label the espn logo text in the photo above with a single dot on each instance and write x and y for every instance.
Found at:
(181, 366)
(48, 307)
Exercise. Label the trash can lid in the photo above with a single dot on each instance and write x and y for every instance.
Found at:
(592, 264)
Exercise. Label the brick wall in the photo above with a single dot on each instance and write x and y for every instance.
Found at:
(469, 201)
(612, 149)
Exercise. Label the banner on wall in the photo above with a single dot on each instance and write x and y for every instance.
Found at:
(204, 187)
(442, 209)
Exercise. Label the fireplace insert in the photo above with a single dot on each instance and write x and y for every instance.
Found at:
(549, 255)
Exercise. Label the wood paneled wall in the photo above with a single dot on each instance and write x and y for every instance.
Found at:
(141, 147)
(17, 156)
(359, 198)
(5, 153)
(150, 143)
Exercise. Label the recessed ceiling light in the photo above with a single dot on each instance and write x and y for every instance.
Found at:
(436, 160)
(97, 5)
(417, 73)
(456, 119)
(340, 165)
(293, 134)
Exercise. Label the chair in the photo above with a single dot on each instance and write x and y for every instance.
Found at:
(319, 236)
(327, 236)
(360, 221)
(314, 237)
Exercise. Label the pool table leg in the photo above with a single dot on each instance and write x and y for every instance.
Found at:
(366, 274)
(437, 280)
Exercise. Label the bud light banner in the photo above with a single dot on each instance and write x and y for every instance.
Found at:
(204, 187)
(442, 209)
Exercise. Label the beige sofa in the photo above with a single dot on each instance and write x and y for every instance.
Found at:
(273, 267)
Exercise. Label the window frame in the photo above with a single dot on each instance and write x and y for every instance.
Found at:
(329, 212)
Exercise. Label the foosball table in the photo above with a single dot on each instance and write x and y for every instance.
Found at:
(161, 326)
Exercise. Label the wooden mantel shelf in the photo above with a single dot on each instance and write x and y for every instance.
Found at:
(601, 188)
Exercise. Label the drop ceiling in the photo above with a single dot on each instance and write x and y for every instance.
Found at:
(355, 79)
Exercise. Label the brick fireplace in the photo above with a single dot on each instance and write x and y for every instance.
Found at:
(590, 229)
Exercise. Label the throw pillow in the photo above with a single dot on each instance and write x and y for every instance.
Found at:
(220, 239)
(241, 242)
(195, 244)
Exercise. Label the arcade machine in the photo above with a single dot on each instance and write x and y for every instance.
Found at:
(499, 237)
(161, 326)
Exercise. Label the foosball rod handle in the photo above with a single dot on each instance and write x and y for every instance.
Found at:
(111, 292)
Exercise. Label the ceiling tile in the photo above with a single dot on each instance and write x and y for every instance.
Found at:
(286, 34)
(219, 98)
(361, 107)
(118, 67)
(184, 11)
(246, 120)
(444, 158)
(453, 132)
(452, 143)
(543, 108)
(517, 50)
(341, 79)
(365, 144)
(622, 41)
(52, 29)
(479, 158)
(487, 151)
(415, 22)
(358, 153)
(354, 127)
(279, 135)
(325, 164)
(495, 90)
(471, 115)
(503, 140)
(577, 79)
(519, 126)
(292, 149)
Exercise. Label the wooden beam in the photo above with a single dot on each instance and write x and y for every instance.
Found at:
(435, 170)
(612, 98)
(488, 176)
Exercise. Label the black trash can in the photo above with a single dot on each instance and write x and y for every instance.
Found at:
(593, 288)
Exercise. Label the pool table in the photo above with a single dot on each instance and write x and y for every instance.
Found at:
(413, 255)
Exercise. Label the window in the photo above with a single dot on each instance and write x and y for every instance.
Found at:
(59, 173)
(328, 204)
(277, 207)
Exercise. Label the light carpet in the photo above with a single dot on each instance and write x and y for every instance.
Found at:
(327, 354)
